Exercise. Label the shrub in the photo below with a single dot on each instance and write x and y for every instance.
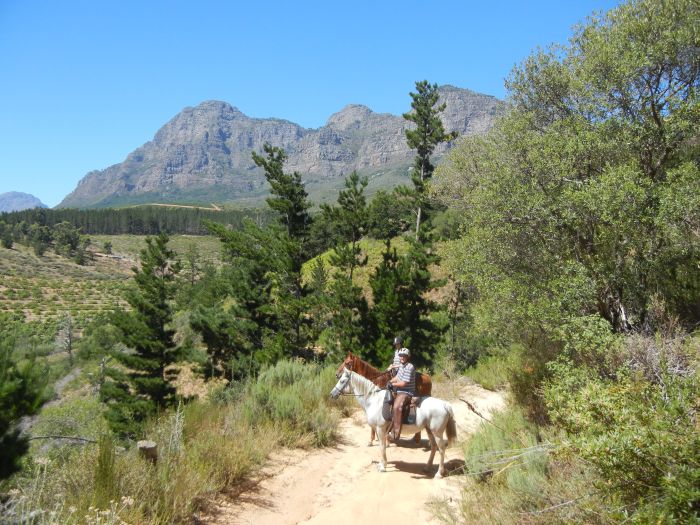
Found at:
(493, 371)
(639, 435)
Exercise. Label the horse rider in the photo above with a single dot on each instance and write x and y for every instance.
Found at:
(396, 363)
(404, 384)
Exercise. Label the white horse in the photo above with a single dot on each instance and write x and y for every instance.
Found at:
(434, 415)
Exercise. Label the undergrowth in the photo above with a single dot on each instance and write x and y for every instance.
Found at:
(204, 447)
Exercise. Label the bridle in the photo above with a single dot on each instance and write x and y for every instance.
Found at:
(343, 382)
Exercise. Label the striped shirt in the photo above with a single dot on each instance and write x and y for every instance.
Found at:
(407, 373)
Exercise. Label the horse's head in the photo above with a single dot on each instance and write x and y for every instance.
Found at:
(347, 363)
(343, 384)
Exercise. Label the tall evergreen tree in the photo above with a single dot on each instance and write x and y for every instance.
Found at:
(351, 220)
(140, 388)
(387, 314)
(289, 199)
(428, 133)
(399, 289)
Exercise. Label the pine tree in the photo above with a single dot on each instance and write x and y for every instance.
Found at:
(387, 314)
(351, 220)
(428, 133)
(290, 199)
(140, 388)
(399, 288)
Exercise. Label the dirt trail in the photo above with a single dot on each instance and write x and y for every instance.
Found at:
(341, 485)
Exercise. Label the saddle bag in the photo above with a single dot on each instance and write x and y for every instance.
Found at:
(387, 406)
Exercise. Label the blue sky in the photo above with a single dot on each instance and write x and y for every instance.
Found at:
(84, 83)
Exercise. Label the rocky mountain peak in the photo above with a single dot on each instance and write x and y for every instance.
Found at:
(350, 117)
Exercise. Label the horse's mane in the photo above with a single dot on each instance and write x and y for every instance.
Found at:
(365, 385)
(371, 372)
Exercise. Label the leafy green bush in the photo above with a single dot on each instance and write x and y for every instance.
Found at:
(639, 435)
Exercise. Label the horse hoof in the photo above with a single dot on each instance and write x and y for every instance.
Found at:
(370, 444)
(381, 468)
(437, 475)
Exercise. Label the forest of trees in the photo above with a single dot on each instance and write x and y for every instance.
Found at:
(137, 220)
(570, 235)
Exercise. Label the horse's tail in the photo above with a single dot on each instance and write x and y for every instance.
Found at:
(451, 425)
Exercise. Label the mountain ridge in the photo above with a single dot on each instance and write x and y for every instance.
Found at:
(204, 153)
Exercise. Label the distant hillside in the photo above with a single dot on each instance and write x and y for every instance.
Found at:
(203, 154)
(16, 201)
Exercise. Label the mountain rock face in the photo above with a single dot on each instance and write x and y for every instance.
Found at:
(204, 153)
(18, 201)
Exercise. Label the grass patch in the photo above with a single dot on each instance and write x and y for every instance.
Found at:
(204, 447)
(516, 472)
(493, 372)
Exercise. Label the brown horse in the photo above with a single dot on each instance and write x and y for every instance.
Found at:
(424, 384)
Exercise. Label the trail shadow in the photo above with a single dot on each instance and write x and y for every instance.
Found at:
(407, 442)
(453, 467)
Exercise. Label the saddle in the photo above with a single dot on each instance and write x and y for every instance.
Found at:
(408, 416)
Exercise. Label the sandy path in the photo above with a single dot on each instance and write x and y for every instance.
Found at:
(341, 485)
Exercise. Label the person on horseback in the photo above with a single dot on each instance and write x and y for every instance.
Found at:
(396, 363)
(404, 385)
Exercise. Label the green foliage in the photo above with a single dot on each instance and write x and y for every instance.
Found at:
(261, 278)
(508, 452)
(640, 436)
(567, 204)
(389, 214)
(578, 220)
(337, 301)
(516, 475)
(293, 395)
(135, 220)
(564, 201)
(493, 372)
(401, 306)
(73, 417)
(136, 393)
(21, 394)
(350, 217)
(428, 133)
(6, 235)
(106, 487)
(290, 200)
(65, 239)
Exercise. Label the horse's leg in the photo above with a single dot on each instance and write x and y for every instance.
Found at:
(433, 449)
(371, 436)
(381, 437)
(442, 445)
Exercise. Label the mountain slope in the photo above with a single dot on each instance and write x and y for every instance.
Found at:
(17, 201)
(204, 153)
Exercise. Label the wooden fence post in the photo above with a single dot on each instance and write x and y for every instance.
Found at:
(148, 450)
